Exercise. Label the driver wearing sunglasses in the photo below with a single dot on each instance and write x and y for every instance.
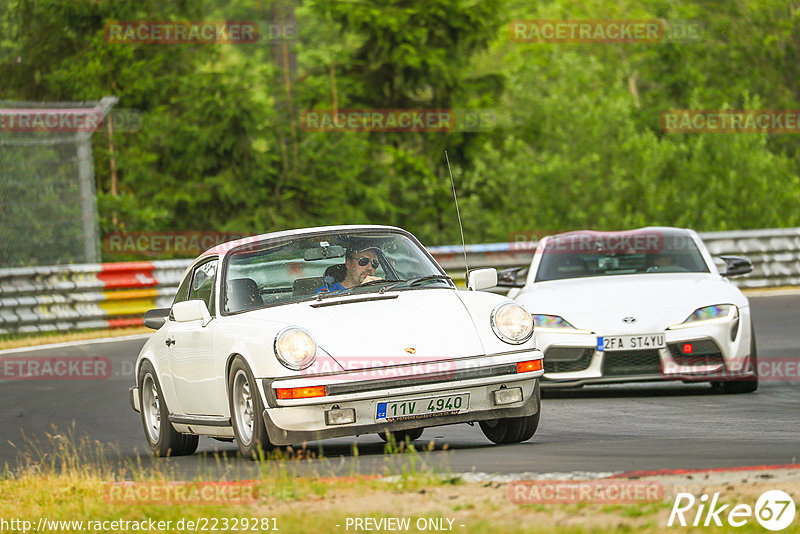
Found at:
(360, 265)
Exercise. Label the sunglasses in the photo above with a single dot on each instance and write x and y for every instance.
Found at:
(364, 261)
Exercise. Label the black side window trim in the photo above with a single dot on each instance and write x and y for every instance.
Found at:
(185, 287)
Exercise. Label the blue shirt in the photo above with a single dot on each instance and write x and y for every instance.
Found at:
(332, 288)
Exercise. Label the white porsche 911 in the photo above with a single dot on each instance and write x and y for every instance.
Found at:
(642, 305)
(307, 334)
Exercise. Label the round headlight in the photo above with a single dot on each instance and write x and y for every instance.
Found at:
(512, 323)
(295, 348)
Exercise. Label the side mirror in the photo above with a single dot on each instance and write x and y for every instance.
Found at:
(736, 265)
(514, 277)
(155, 318)
(481, 279)
(191, 310)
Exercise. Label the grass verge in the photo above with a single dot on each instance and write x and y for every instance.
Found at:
(67, 479)
(14, 341)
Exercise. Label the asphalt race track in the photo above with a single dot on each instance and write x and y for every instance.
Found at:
(597, 429)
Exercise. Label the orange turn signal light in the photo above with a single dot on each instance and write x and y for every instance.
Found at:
(527, 367)
(300, 393)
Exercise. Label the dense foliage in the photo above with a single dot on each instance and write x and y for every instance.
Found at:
(576, 144)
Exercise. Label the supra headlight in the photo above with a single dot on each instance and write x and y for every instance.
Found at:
(551, 321)
(716, 313)
(295, 348)
(547, 323)
(512, 323)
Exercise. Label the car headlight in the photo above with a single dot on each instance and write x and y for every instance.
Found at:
(717, 313)
(551, 321)
(512, 323)
(295, 348)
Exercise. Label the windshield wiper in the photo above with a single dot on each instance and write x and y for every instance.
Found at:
(396, 282)
(415, 281)
(325, 294)
(429, 277)
(375, 282)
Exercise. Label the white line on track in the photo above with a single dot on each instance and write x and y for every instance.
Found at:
(75, 343)
(767, 292)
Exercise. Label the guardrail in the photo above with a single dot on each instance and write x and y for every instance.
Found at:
(112, 295)
(77, 297)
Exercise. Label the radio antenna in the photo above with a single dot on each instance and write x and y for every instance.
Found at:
(458, 213)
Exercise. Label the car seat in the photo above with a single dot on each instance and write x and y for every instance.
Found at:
(243, 295)
(337, 272)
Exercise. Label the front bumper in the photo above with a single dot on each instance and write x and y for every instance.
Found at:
(365, 411)
(133, 398)
(291, 421)
(572, 359)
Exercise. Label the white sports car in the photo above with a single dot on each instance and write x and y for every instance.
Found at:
(300, 335)
(642, 305)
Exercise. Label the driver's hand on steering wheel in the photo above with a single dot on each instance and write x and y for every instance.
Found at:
(370, 279)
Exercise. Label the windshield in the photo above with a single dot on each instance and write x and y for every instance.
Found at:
(585, 254)
(321, 265)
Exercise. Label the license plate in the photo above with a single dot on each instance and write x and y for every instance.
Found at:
(421, 408)
(649, 341)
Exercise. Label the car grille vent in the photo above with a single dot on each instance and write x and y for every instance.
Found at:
(704, 352)
(631, 362)
(567, 359)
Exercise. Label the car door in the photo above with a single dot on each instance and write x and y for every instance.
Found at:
(191, 350)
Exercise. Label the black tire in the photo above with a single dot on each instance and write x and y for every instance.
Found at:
(250, 430)
(162, 437)
(513, 429)
(749, 384)
(401, 435)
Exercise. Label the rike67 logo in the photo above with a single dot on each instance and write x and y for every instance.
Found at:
(774, 510)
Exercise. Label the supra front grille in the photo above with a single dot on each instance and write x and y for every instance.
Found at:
(704, 352)
(631, 362)
(567, 359)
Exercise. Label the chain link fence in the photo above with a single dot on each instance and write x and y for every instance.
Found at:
(48, 207)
